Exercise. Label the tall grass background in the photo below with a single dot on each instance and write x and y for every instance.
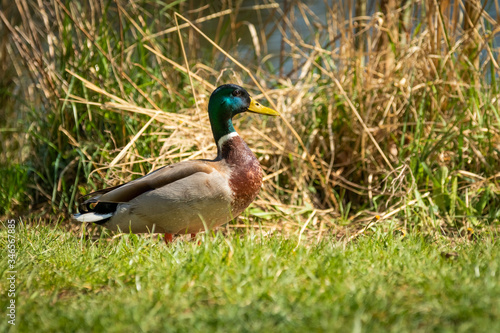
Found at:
(389, 108)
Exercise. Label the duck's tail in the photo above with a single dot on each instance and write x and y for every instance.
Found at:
(92, 217)
(95, 211)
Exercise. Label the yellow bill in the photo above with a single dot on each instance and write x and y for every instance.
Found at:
(259, 108)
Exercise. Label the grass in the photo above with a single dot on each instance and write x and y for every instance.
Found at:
(254, 282)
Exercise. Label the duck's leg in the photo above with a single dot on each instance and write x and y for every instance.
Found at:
(193, 236)
(169, 238)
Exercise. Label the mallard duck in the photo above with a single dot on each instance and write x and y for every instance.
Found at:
(190, 196)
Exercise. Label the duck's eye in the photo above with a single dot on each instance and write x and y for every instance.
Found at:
(237, 93)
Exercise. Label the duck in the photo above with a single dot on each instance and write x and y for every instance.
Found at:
(190, 196)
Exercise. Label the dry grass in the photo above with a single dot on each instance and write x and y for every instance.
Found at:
(389, 114)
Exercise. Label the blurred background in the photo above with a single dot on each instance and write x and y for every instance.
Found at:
(389, 108)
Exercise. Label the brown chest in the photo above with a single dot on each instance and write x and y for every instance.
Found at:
(246, 174)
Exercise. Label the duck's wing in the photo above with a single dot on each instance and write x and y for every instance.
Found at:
(102, 204)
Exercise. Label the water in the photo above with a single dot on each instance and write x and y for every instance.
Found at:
(317, 13)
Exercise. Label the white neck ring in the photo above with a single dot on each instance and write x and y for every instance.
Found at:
(226, 138)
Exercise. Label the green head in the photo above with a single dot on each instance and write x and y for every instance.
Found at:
(227, 101)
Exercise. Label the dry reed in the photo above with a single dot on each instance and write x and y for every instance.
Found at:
(369, 101)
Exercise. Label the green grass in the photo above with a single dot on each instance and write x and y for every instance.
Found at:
(248, 282)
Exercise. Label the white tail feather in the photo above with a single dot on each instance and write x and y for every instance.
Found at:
(91, 217)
